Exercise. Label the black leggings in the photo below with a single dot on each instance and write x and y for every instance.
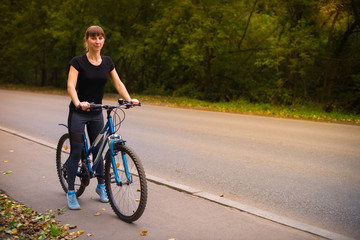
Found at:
(94, 123)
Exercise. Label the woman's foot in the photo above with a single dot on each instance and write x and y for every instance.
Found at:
(72, 201)
(100, 189)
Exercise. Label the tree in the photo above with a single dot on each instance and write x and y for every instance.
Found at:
(276, 51)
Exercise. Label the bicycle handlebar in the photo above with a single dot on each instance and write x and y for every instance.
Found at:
(122, 102)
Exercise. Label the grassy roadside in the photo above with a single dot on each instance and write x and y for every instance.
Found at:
(305, 112)
(18, 221)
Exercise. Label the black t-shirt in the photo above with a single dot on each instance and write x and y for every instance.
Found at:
(91, 79)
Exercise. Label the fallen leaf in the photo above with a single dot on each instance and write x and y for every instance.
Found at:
(103, 209)
(72, 226)
(222, 195)
(172, 239)
(11, 151)
(89, 234)
(7, 172)
(78, 233)
(6, 161)
(144, 233)
(97, 214)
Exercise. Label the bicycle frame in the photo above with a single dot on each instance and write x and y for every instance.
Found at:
(108, 135)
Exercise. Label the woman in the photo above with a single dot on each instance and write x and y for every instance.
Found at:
(89, 73)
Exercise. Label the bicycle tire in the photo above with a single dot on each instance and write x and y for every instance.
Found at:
(62, 155)
(129, 200)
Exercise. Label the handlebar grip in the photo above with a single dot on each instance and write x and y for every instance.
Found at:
(95, 107)
(130, 104)
(127, 104)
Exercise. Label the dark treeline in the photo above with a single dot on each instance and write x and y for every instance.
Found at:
(276, 51)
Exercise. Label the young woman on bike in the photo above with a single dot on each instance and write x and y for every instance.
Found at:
(88, 74)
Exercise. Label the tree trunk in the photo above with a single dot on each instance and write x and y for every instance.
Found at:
(43, 68)
(208, 83)
(329, 68)
(247, 25)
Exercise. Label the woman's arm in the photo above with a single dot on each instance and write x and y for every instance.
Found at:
(71, 88)
(120, 87)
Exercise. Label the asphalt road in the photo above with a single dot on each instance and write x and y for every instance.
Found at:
(303, 170)
(169, 214)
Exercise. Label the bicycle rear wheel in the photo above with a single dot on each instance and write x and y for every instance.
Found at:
(62, 156)
(128, 200)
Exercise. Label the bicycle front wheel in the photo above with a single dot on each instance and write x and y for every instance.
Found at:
(62, 156)
(127, 198)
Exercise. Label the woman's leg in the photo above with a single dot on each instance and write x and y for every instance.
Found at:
(94, 127)
(76, 124)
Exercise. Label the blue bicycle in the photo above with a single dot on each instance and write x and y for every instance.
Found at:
(125, 179)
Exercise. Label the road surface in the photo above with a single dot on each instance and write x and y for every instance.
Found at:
(169, 214)
(303, 170)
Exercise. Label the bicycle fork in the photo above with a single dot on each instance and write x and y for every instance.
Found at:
(117, 140)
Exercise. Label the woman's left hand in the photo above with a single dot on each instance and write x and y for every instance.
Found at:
(134, 101)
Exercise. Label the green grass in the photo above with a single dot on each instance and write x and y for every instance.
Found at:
(309, 111)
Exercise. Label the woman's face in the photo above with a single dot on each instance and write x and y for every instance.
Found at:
(95, 43)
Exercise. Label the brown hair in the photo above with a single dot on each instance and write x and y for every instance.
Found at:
(92, 31)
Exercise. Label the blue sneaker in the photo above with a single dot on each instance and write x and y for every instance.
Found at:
(72, 201)
(100, 189)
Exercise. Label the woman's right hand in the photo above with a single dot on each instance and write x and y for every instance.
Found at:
(84, 106)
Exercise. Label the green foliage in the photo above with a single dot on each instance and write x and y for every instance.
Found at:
(278, 52)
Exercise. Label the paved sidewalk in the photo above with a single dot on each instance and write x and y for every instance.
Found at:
(169, 213)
